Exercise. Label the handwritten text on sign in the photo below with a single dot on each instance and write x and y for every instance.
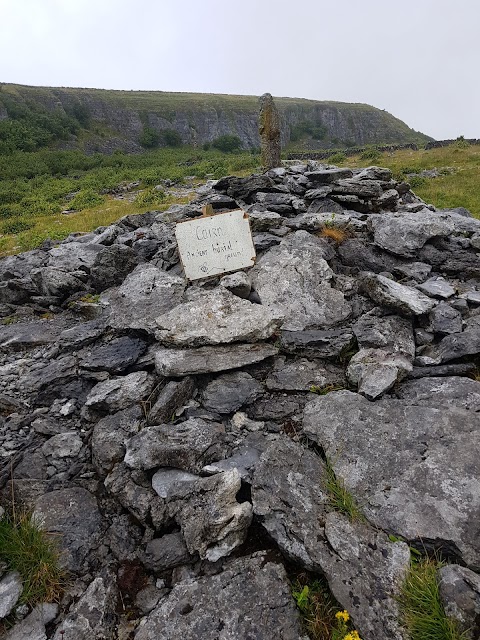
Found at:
(215, 244)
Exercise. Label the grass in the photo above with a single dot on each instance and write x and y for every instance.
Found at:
(37, 186)
(457, 189)
(33, 553)
(422, 611)
(340, 498)
(322, 616)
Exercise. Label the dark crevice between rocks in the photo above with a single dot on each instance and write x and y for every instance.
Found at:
(441, 550)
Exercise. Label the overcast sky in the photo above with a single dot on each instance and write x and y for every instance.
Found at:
(418, 59)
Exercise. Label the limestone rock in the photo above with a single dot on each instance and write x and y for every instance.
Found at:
(144, 294)
(132, 492)
(188, 445)
(302, 374)
(119, 393)
(114, 356)
(317, 344)
(33, 626)
(73, 256)
(364, 570)
(460, 594)
(389, 293)
(294, 278)
(238, 283)
(249, 599)
(404, 233)
(72, 515)
(392, 333)
(437, 288)
(444, 319)
(176, 362)
(166, 552)
(435, 392)
(376, 371)
(213, 523)
(94, 615)
(173, 395)
(109, 437)
(51, 281)
(216, 317)
(414, 468)
(112, 266)
(164, 479)
(10, 590)
(230, 391)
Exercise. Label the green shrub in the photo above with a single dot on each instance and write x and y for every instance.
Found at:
(150, 197)
(10, 211)
(305, 128)
(372, 155)
(417, 181)
(149, 138)
(227, 143)
(171, 138)
(337, 158)
(86, 199)
(16, 226)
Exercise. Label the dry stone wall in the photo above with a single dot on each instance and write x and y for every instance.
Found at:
(178, 436)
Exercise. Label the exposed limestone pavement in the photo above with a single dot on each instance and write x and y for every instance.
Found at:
(179, 439)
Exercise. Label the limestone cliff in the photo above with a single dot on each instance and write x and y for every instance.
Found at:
(116, 119)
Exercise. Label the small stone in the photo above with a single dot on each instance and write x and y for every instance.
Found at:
(173, 395)
(406, 300)
(460, 595)
(164, 479)
(229, 392)
(213, 523)
(189, 445)
(238, 283)
(437, 288)
(33, 626)
(444, 319)
(180, 362)
(119, 393)
(166, 552)
(10, 590)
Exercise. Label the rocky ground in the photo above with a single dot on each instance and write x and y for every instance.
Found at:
(170, 434)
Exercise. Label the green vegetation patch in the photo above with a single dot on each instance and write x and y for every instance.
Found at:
(26, 548)
(340, 498)
(422, 611)
(322, 616)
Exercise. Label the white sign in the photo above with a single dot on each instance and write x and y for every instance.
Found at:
(215, 244)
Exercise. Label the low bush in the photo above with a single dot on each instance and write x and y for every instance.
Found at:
(16, 226)
(227, 143)
(86, 199)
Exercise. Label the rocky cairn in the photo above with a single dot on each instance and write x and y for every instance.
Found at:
(170, 434)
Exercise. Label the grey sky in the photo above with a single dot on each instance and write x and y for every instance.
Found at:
(418, 59)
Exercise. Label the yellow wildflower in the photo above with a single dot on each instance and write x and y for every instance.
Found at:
(343, 615)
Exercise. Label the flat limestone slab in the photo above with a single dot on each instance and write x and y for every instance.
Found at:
(215, 244)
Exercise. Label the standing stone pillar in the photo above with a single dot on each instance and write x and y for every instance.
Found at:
(269, 129)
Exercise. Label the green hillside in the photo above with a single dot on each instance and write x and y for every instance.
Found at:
(102, 120)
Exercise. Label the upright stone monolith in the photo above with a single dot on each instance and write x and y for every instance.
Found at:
(269, 129)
